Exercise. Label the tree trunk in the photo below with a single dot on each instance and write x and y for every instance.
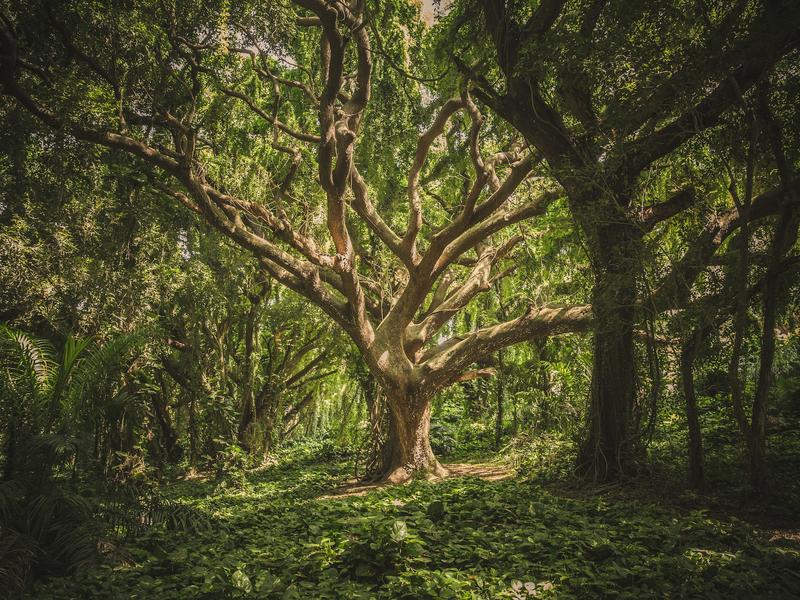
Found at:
(695, 448)
(170, 436)
(408, 447)
(376, 412)
(11, 446)
(501, 392)
(192, 435)
(248, 402)
(608, 446)
(784, 239)
(543, 384)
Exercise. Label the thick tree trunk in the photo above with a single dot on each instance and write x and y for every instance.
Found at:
(608, 446)
(376, 411)
(408, 448)
(245, 420)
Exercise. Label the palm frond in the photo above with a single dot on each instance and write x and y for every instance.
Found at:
(51, 448)
(17, 555)
(70, 355)
(92, 378)
(36, 354)
(27, 367)
(11, 493)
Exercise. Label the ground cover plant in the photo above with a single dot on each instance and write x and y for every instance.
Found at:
(292, 532)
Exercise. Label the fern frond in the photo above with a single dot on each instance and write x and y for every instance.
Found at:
(27, 366)
(92, 377)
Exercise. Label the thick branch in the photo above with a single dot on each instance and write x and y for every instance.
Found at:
(761, 54)
(444, 363)
(652, 215)
(423, 147)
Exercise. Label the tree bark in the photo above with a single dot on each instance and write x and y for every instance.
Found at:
(165, 425)
(376, 411)
(784, 239)
(248, 375)
(192, 430)
(500, 397)
(695, 445)
(408, 448)
(608, 446)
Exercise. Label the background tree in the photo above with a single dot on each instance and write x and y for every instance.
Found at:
(607, 92)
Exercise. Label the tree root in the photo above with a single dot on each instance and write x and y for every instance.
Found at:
(405, 473)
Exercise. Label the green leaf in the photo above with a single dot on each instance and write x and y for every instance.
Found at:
(399, 531)
(241, 581)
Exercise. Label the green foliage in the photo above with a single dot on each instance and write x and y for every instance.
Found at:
(91, 244)
(49, 405)
(460, 538)
(129, 509)
(46, 527)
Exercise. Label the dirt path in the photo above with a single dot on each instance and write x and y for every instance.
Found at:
(487, 471)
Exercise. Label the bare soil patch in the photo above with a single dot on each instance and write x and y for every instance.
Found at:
(487, 471)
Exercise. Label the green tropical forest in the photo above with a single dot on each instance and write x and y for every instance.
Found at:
(424, 299)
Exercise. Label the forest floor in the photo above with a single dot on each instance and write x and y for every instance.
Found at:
(290, 532)
(489, 471)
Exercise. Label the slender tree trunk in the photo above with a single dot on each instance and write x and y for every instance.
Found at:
(784, 239)
(408, 447)
(165, 424)
(739, 277)
(543, 384)
(501, 392)
(608, 446)
(192, 435)
(758, 429)
(515, 415)
(248, 375)
(695, 447)
(11, 446)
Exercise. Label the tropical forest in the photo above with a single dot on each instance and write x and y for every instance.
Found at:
(421, 299)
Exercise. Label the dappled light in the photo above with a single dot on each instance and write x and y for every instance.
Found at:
(416, 299)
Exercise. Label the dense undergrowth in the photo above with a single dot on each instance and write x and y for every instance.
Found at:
(278, 533)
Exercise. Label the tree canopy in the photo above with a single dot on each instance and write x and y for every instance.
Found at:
(286, 219)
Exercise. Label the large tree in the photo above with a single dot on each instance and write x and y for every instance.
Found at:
(156, 81)
(299, 133)
(608, 92)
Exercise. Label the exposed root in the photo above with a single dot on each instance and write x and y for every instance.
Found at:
(401, 475)
(439, 471)
(398, 476)
(404, 474)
